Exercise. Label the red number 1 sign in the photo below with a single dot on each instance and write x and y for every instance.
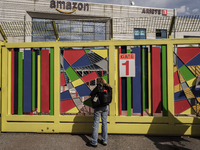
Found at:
(127, 65)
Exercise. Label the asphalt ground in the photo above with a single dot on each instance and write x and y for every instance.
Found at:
(34, 141)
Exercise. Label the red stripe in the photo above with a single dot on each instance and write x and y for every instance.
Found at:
(12, 80)
(44, 80)
(120, 90)
(156, 80)
(90, 77)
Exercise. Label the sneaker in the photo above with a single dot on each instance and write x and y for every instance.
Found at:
(104, 144)
(90, 145)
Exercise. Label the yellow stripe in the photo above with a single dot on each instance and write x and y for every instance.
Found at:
(77, 82)
(149, 81)
(116, 79)
(9, 82)
(39, 87)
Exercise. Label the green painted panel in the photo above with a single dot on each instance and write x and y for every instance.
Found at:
(87, 50)
(71, 74)
(105, 78)
(20, 83)
(51, 81)
(33, 81)
(164, 79)
(128, 91)
(88, 102)
(187, 74)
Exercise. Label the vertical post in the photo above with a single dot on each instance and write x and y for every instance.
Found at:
(20, 83)
(128, 91)
(116, 80)
(143, 79)
(111, 79)
(120, 87)
(56, 83)
(9, 82)
(39, 85)
(149, 81)
(51, 81)
(164, 79)
(33, 81)
(170, 83)
(4, 87)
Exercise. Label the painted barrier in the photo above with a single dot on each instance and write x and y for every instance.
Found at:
(46, 87)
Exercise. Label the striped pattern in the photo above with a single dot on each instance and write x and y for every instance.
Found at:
(31, 89)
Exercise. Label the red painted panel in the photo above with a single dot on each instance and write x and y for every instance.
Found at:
(44, 80)
(156, 80)
(181, 106)
(176, 78)
(66, 105)
(12, 80)
(62, 79)
(73, 55)
(187, 53)
(90, 77)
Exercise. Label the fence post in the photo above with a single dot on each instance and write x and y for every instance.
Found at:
(4, 88)
(170, 84)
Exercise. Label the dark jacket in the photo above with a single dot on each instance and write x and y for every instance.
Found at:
(97, 90)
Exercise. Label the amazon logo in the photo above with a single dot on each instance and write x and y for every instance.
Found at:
(68, 7)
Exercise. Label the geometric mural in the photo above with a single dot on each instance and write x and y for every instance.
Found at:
(186, 70)
(79, 71)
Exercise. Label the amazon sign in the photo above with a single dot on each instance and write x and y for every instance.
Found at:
(68, 7)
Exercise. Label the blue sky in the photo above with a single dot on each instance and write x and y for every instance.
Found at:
(184, 7)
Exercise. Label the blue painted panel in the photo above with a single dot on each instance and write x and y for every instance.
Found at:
(65, 63)
(179, 63)
(179, 96)
(27, 85)
(16, 79)
(136, 82)
(82, 62)
(146, 78)
(195, 61)
(65, 96)
(83, 90)
(124, 84)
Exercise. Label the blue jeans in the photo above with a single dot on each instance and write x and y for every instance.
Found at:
(103, 113)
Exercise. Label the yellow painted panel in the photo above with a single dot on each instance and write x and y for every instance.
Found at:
(56, 81)
(77, 82)
(189, 111)
(73, 110)
(103, 52)
(39, 87)
(149, 82)
(111, 79)
(192, 82)
(177, 88)
(116, 81)
(9, 82)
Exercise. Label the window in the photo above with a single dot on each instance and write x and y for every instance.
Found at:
(139, 33)
(161, 34)
(68, 30)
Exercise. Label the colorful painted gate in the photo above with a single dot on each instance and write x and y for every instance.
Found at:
(46, 87)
